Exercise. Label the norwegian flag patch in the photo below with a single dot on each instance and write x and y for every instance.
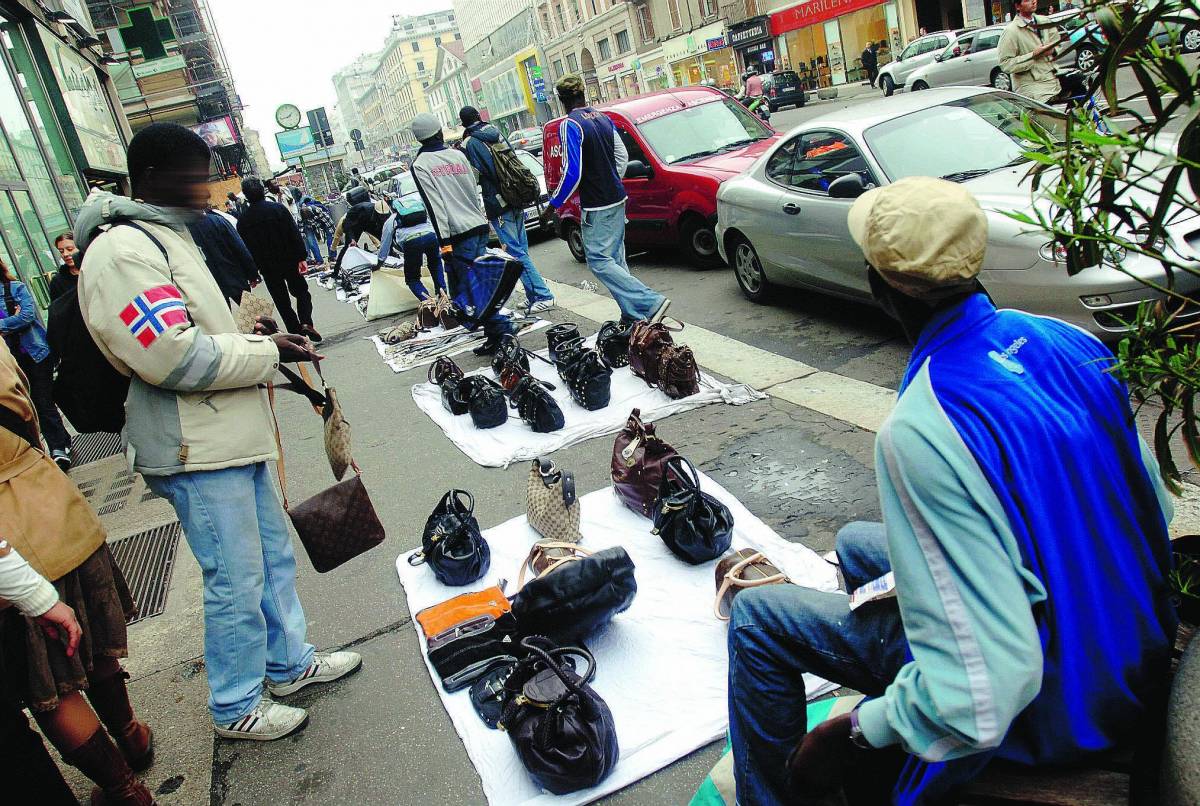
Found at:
(152, 312)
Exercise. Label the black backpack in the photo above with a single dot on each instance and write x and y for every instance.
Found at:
(516, 183)
(88, 390)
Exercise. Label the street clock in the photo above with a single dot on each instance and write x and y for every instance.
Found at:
(288, 116)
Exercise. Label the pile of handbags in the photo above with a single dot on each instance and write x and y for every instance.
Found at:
(655, 358)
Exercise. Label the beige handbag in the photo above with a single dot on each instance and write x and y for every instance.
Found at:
(547, 555)
(398, 333)
(250, 307)
(553, 508)
(337, 428)
(739, 570)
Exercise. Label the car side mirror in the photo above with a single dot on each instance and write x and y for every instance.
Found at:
(636, 169)
(849, 186)
(937, 58)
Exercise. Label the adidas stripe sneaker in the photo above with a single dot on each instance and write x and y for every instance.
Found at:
(268, 721)
(325, 668)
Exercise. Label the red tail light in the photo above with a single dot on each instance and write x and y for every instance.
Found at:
(774, 92)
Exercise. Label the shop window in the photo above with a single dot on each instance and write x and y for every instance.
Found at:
(859, 29)
(605, 49)
(818, 158)
(622, 41)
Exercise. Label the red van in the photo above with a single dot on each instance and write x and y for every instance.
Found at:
(683, 143)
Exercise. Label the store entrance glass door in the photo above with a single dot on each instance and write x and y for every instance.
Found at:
(809, 56)
(27, 250)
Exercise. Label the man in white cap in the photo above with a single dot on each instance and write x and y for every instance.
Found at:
(1024, 537)
(449, 187)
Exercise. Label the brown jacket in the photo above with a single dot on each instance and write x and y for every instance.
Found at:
(42, 513)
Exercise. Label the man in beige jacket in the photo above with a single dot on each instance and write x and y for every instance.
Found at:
(198, 426)
(1028, 56)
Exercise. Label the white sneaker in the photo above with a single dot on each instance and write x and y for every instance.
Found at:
(325, 668)
(543, 305)
(268, 721)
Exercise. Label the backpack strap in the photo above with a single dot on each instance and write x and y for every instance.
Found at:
(11, 421)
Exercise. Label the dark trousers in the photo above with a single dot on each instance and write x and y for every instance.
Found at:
(872, 74)
(41, 389)
(414, 249)
(27, 768)
(283, 286)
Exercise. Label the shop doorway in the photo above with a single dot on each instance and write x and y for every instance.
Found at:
(587, 68)
(939, 15)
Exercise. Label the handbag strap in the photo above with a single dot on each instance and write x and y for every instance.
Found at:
(684, 471)
(540, 547)
(552, 663)
(302, 388)
(21, 429)
(281, 473)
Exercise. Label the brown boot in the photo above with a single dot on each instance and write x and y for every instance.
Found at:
(99, 759)
(110, 698)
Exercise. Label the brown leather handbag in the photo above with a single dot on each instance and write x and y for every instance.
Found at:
(678, 374)
(427, 313)
(638, 460)
(646, 344)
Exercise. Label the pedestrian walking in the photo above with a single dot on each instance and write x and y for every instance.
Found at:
(199, 427)
(1027, 56)
(870, 61)
(233, 205)
(68, 271)
(447, 184)
(593, 162)
(226, 255)
(26, 340)
(317, 226)
(48, 522)
(507, 222)
(407, 234)
(996, 646)
(271, 235)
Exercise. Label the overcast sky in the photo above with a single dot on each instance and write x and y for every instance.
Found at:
(286, 51)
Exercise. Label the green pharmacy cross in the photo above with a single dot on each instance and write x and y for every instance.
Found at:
(147, 32)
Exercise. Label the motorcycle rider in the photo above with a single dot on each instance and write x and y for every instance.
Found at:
(752, 90)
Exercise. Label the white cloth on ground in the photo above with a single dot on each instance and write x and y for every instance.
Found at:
(427, 347)
(661, 665)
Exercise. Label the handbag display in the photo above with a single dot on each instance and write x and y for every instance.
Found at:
(509, 353)
(445, 375)
(638, 459)
(559, 334)
(534, 403)
(745, 568)
(452, 544)
(483, 399)
(588, 378)
(399, 333)
(463, 654)
(447, 312)
(646, 343)
(678, 374)
(458, 610)
(250, 307)
(577, 597)
(561, 729)
(427, 313)
(488, 695)
(695, 526)
(613, 343)
(551, 503)
(482, 286)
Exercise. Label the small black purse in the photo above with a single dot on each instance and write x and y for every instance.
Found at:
(536, 406)
(558, 335)
(468, 651)
(483, 399)
(445, 375)
(510, 353)
(613, 343)
(452, 544)
(695, 526)
(561, 729)
(588, 378)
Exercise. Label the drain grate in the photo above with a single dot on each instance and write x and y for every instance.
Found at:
(94, 447)
(147, 559)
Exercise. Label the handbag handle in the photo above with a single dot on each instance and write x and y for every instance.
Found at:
(561, 561)
(731, 580)
(452, 500)
(551, 663)
(684, 471)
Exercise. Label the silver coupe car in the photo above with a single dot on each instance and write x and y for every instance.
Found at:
(783, 221)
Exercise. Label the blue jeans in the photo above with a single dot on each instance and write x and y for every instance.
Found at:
(314, 247)
(468, 249)
(604, 245)
(254, 625)
(510, 229)
(778, 632)
(414, 249)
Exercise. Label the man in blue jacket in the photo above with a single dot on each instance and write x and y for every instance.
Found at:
(226, 254)
(1025, 526)
(593, 162)
(508, 222)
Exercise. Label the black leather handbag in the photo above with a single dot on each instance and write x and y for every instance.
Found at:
(561, 729)
(560, 334)
(509, 353)
(588, 378)
(469, 651)
(695, 526)
(483, 399)
(536, 406)
(575, 599)
(445, 375)
(452, 544)
(613, 343)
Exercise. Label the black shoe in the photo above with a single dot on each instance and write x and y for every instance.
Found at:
(489, 347)
(311, 332)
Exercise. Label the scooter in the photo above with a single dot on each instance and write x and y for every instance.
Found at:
(758, 106)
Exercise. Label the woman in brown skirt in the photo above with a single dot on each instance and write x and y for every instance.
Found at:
(47, 521)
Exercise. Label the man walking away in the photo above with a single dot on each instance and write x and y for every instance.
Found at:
(199, 427)
(447, 184)
(508, 222)
(593, 162)
(271, 235)
(1027, 57)
(317, 226)
(226, 255)
(870, 61)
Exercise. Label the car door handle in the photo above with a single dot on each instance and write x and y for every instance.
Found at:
(791, 209)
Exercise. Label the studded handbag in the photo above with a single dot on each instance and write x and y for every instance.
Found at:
(509, 353)
(552, 506)
(588, 378)
(483, 399)
(678, 374)
(695, 526)
(451, 544)
(613, 343)
(445, 375)
(560, 334)
(533, 402)
(646, 343)
(638, 459)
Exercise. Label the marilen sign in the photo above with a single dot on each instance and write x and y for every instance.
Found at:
(814, 11)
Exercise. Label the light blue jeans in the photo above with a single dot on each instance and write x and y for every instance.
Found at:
(510, 229)
(604, 246)
(254, 626)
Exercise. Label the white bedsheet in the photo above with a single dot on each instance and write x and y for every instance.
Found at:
(515, 440)
(661, 665)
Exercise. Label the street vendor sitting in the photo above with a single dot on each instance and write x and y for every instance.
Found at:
(1025, 523)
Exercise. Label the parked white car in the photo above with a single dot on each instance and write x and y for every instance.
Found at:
(919, 52)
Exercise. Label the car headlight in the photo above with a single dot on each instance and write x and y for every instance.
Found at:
(1053, 252)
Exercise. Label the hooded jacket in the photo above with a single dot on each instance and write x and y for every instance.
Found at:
(477, 145)
(446, 182)
(195, 400)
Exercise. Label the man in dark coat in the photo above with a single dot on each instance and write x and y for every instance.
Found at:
(870, 61)
(228, 259)
(274, 240)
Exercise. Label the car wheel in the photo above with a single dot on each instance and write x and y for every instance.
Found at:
(773, 107)
(889, 86)
(748, 270)
(919, 85)
(699, 241)
(574, 238)
(1001, 80)
(1190, 39)
(1085, 59)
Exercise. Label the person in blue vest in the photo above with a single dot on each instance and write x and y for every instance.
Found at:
(1025, 524)
(593, 162)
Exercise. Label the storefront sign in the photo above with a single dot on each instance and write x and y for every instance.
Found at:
(616, 68)
(716, 43)
(87, 106)
(814, 11)
(691, 44)
(750, 32)
(158, 66)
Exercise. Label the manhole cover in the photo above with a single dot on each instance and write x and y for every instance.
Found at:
(147, 559)
(94, 447)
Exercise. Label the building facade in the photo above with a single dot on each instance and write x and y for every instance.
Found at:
(451, 87)
(508, 74)
(604, 41)
(479, 18)
(350, 84)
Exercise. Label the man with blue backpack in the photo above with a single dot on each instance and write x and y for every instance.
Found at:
(408, 234)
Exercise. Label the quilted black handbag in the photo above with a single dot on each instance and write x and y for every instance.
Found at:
(695, 526)
(483, 399)
(560, 334)
(536, 406)
(452, 544)
(578, 597)
(588, 378)
(445, 375)
(613, 343)
(561, 729)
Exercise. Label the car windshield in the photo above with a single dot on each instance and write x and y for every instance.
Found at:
(960, 139)
(404, 184)
(699, 131)
(530, 162)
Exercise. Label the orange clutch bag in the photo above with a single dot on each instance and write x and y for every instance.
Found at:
(437, 619)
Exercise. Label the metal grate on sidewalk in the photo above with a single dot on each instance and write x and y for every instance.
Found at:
(94, 447)
(147, 559)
